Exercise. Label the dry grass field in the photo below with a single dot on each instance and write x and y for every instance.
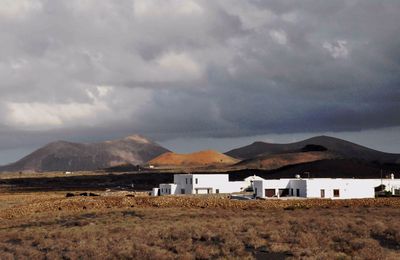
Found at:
(51, 226)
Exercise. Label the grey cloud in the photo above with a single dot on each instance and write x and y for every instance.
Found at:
(197, 68)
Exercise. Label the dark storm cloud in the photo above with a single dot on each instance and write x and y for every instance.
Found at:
(177, 68)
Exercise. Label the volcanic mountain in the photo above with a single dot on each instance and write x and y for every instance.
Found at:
(68, 156)
(339, 148)
(197, 159)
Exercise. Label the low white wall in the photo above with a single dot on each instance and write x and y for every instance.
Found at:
(235, 186)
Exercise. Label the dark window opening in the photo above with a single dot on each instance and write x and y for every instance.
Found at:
(336, 193)
(283, 192)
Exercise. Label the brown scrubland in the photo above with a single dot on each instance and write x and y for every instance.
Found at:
(50, 225)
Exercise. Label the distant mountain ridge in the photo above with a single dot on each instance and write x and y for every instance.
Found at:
(69, 156)
(342, 148)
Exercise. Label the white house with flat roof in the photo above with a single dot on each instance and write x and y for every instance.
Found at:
(203, 184)
(330, 188)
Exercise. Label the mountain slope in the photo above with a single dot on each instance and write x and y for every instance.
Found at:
(68, 156)
(202, 158)
(344, 168)
(338, 146)
(275, 161)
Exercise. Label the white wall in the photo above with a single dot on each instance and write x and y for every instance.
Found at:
(235, 186)
(348, 188)
(299, 184)
(311, 188)
(184, 183)
(213, 183)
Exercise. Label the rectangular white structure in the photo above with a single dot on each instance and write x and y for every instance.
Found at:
(323, 188)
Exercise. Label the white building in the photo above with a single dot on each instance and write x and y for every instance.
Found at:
(329, 188)
(323, 188)
(202, 184)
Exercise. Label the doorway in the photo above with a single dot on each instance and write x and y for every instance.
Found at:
(283, 192)
(269, 192)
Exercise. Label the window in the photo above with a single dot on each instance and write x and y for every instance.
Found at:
(291, 192)
(182, 191)
(217, 191)
(191, 180)
(255, 189)
(197, 181)
(186, 181)
(322, 193)
(297, 192)
(336, 193)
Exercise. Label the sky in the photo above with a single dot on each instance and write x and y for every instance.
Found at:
(198, 74)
